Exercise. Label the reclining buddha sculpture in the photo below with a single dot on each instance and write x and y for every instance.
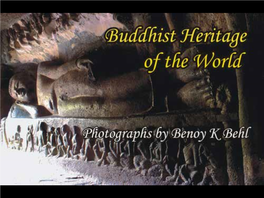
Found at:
(108, 82)
(78, 89)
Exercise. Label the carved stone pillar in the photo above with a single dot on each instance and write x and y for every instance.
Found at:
(237, 23)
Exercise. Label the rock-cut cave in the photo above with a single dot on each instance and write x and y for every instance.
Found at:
(73, 100)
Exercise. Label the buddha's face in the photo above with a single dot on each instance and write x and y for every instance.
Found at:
(22, 87)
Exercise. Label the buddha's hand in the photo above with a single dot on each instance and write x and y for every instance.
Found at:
(87, 64)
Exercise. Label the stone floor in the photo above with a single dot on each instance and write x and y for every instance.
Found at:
(25, 168)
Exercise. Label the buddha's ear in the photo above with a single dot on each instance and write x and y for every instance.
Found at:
(86, 63)
(82, 62)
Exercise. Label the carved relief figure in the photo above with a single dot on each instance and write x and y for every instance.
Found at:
(87, 148)
(51, 145)
(30, 139)
(66, 142)
(113, 156)
(101, 149)
(41, 135)
(15, 142)
(60, 146)
(127, 153)
(76, 143)
(142, 161)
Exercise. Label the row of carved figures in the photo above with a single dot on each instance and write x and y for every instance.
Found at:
(181, 161)
(24, 32)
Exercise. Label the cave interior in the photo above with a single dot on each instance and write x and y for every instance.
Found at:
(59, 76)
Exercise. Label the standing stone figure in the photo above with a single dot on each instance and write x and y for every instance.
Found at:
(66, 142)
(30, 139)
(60, 146)
(18, 140)
(41, 135)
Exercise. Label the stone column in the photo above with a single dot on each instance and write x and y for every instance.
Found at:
(237, 23)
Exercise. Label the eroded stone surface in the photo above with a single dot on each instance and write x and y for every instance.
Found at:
(56, 36)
